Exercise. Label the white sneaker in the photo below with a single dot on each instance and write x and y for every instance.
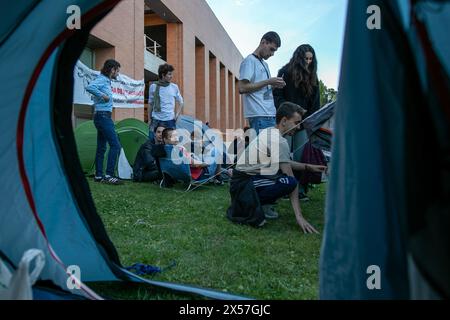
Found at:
(270, 212)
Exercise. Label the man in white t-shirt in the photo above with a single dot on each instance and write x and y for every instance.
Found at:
(267, 160)
(162, 98)
(256, 84)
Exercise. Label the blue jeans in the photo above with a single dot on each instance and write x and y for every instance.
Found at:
(261, 123)
(207, 174)
(160, 123)
(283, 186)
(106, 133)
(210, 159)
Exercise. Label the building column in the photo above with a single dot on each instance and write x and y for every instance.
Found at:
(223, 110)
(231, 106)
(175, 52)
(237, 104)
(201, 85)
(214, 94)
(139, 49)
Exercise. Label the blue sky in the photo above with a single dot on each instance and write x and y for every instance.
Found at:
(319, 23)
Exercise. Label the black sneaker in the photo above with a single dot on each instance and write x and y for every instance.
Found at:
(98, 179)
(303, 197)
(167, 181)
(218, 181)
(112, 180)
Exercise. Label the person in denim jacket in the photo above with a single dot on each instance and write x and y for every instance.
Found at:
(102, 96)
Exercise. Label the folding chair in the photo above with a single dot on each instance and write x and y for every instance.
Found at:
(179, 172)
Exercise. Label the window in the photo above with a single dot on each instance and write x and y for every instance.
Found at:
(88, 58)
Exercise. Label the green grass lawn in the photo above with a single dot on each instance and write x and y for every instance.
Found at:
(157, 226)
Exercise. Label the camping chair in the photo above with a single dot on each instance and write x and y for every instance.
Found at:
(179, 172)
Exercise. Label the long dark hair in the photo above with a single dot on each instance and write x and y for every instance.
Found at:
(304, 76)
(108, 66)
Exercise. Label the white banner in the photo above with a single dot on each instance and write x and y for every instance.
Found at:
(127, 92)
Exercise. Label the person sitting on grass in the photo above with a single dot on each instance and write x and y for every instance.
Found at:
(199, 170)
(270, 169)
(206, 153)
(145, 168)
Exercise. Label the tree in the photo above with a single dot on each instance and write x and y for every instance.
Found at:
(326, 94)
(332, 95)
(323, 93)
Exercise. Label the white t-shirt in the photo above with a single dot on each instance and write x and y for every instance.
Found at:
(168, 95)
(259, 103)
(265, 153)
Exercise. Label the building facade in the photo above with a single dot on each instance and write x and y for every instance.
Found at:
(142, 34)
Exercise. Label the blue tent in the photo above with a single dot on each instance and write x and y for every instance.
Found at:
(45, 199)
(208, 136)
(190, 124)
(388, 210)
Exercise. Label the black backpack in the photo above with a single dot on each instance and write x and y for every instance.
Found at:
(144, 161)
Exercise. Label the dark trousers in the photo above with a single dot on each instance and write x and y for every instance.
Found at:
(151, 176)
(106, 134)
(269, 194)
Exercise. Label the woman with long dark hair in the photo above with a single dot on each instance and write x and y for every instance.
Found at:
(302, 84)
(302, 88)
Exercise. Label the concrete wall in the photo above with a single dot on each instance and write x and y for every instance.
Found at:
(197, 46)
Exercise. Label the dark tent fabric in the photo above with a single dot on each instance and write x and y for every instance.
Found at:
(315, 121)
(319, 127)
(46, 202)
(388, 199)
(17, 11)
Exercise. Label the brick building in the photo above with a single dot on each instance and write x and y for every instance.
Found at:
(142, 34)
